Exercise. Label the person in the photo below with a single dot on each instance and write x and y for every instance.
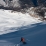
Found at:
(23, 40)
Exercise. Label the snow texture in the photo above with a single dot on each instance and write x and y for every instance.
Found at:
(13, 26)
(10, 22)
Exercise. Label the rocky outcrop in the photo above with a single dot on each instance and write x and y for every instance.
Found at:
(22, 3)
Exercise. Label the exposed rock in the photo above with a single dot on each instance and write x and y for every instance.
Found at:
(22, 3)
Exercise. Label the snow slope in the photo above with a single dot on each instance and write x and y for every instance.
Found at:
(13, 26)
(10, 22)
(35, 36)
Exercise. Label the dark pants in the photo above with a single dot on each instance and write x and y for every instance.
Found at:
(24, 42)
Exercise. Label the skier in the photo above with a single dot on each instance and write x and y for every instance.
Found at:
(23, 40)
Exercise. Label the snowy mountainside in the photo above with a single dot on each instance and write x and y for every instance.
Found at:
(35, 36)
(8, 3)
(38, 12)
(22, 3)
(10, 22)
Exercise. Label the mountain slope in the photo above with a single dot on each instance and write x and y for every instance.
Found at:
(35, 36)
(10, 22)
(21, 4)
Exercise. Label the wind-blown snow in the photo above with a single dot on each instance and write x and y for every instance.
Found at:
(10, 22)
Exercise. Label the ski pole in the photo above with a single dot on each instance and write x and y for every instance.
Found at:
(27, 39)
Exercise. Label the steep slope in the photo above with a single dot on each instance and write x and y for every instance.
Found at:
(34, 36)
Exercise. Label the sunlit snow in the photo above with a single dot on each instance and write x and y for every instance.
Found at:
(10, 22)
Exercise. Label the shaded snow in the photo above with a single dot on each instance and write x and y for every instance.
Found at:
(35, 36)
(5, 43)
